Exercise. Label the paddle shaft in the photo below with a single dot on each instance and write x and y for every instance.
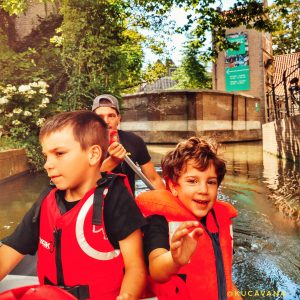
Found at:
(138, 172)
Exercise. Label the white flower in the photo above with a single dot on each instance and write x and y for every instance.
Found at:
(3, 100)
(24, 88)
(9, 89)
(31, 92)
(33, 84)
(1, 126)
(9, 115)
(45, 100)
(42, 84)
(27, 113)
(1, 111)
(40, 122)
(17, 110)
(42, 105)
(16, 122)
(43, 91)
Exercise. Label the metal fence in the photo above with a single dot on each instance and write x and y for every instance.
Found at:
(283, 100)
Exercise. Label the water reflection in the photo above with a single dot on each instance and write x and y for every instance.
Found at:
(16, 197)
(267, 248)
(282, 178)
(264, 190)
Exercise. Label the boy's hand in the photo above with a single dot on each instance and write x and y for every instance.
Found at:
(184, 242)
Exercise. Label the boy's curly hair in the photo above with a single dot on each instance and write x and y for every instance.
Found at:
(201, 151)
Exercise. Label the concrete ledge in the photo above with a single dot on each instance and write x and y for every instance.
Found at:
(170, 115)
(13, 163)
(173, 137)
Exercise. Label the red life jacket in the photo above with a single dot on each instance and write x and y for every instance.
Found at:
(200, 274)
(74, 251)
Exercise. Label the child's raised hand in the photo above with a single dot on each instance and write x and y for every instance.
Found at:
(184, 241)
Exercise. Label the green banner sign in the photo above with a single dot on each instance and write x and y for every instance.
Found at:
(237, 79)
(237, 72)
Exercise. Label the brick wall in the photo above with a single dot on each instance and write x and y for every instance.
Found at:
(282, 138)
(167, 116)
(13, 162)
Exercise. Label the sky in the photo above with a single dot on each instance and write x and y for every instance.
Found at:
(176, 42)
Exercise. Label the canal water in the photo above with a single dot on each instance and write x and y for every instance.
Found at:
(265, 190)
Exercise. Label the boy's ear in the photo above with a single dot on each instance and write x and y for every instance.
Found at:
(172, 188)
(94, 155)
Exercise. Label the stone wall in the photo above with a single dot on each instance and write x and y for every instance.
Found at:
(167, 116)
(13, 162)
(282, 138)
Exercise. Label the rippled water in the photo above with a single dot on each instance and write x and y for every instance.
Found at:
(265, 191)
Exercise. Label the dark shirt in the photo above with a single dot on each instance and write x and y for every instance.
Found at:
(156, 234)
(121, 218)
(138, 153)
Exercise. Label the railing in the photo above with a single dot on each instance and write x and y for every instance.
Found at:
(286, 103)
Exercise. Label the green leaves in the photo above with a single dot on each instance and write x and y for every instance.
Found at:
(14, 7)
(286, 37)
(192, 73)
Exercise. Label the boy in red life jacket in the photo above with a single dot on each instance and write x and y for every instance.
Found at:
(200, 258)
(86, 230)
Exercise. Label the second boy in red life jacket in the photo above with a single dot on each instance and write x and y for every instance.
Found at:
(199, 263)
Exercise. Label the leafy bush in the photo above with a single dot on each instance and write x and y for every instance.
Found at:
(23, 110)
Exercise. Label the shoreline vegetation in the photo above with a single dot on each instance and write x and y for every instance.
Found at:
(8, 144)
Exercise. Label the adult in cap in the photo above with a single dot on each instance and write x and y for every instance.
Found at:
(107, 107)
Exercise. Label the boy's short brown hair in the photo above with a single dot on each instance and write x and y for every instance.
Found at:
(201, 151)
(88, 128)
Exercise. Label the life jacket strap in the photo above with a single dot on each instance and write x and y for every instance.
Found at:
(215, 239)
(81, 292)
(105, 182)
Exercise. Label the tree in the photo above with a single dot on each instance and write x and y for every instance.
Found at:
(99, 52)
(191, 74)
(286, 39)
(205, 16)
(157, 70)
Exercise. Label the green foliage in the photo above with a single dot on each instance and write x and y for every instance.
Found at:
(99, 52)
(286, 38)
(7, 143)
(33, 58)
(191, 74)
(155, 71)
(205, 17)
(14, 7)
(23, 110)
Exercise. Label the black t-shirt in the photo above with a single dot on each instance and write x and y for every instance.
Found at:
(138, 153)
(121, 218)
(156, 234)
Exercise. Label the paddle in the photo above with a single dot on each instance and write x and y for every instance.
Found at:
(114, 138)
